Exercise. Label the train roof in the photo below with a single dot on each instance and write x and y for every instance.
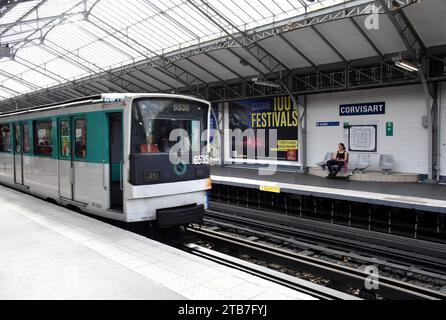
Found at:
(100, 98)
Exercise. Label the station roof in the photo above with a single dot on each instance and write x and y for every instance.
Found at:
(157, 45)
(70, 39)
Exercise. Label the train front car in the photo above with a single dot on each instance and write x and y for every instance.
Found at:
(169, 163)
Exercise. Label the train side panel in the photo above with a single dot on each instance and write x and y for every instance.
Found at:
(51, 176)
(41, 176)
(6, 168)
(91, 185)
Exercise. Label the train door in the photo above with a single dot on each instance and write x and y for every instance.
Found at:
(21, 146)
(116, 148)
(66, 174)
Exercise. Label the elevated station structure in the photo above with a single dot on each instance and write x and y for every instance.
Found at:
(319, 52)
(369, 73)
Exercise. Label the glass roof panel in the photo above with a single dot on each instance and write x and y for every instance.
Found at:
(39, 78)
(69, 70)
(15, 86)
(65, 39)
(51, 8)
(12, 67)
(17, 12)
(36, 55)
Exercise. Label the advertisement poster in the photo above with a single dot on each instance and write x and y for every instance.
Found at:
(268, 114)
(42, 137)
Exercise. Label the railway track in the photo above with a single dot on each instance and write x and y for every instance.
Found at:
(281, 235)
(303, 286)
(387, 288)
(426, 257)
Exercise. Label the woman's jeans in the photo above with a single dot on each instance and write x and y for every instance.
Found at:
(334, 166)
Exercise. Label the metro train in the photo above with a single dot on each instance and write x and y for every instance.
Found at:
(110, 155)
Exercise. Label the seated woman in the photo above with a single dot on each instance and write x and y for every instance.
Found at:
(339, 161)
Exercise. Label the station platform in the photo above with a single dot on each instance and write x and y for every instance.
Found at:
(418, 196)
(49, 252)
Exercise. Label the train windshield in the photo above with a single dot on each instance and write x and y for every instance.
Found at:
(154, 120)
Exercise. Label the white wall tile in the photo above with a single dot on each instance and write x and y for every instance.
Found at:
(405, 107)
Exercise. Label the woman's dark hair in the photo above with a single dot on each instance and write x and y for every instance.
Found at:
(342, 145)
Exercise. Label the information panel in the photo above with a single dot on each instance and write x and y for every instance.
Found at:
(362, 138)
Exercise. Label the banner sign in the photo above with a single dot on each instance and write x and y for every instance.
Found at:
(328, 124)
(267, 114)
(362, 109)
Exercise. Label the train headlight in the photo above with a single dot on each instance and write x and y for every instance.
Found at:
(209, 184)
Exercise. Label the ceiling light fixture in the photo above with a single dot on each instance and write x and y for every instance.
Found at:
(406, 65)
(266, 83)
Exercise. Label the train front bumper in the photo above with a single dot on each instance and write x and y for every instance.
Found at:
(180, 216)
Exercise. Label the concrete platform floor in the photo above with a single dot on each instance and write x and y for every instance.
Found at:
(49, 252)
(371, 176)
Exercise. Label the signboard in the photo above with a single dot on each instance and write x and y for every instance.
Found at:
(286, 145)
(362, 138)
(266, 114)
(328, 124)
(389, 129)
(272, 189)
(362, 109)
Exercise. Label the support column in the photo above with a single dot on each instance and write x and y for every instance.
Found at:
(301, 127)
(221, 128)
(430, 92)
(304, 135)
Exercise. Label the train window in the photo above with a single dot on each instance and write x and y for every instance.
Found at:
(156, 138)
(80, 149)
(153, 121)
(65, 139)
(26, 146)
(43, 139)
(5, 136)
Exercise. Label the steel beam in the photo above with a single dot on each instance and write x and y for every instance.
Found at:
(328, 43)
(36, 22)
(298, 51)
(223, 65)
(143, 81)
(367, 38)
(49, 25)
(34, 8)
(243, 59)
(131, 43)
(20, 80)
(157, 79)
(205, 70)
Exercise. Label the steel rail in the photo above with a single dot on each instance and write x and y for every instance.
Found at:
(388, 288)
(428, 256)
(300, 285)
